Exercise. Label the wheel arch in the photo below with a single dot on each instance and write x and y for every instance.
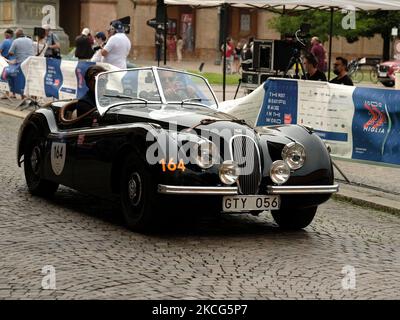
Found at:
(34, 121)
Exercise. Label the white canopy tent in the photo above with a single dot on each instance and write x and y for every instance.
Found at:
(294, 4)
(283, 5)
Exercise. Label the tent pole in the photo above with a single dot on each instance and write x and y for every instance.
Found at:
(330, 44)
(165, 33)
(224, 36)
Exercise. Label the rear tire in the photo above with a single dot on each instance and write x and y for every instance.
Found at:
(138, 194)
(33, 167)
(294, 219)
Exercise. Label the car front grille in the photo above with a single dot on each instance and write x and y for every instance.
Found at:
(245, 154)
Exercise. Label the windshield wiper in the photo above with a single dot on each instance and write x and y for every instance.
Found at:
(196, 100)
(206, 122)
(121, 96)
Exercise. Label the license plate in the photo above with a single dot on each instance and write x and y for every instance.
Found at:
(249, 203)
(382, 74)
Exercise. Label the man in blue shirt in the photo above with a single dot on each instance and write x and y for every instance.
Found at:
(6, 44)
(22, 49)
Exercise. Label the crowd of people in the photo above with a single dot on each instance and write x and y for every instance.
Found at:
(233, 54)
(113, 49)
(175, 45)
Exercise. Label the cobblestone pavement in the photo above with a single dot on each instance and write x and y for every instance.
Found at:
(233, 257)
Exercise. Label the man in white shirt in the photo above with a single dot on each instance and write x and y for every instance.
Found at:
(117, 49)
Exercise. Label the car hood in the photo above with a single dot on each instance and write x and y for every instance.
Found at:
(186, 116)
(391, 63)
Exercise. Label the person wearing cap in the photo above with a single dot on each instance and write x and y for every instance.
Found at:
(53, 43)
(118, 46)
(100, 40)
(83, 49)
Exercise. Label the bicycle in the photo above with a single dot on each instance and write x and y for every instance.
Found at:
(373, 74)
(354, 70)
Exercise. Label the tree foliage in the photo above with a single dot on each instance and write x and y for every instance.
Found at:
(368, 23)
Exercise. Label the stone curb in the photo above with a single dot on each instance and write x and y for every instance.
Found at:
(365, 197)
(14, 113)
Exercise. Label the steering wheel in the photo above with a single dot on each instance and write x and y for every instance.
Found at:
(69, 108)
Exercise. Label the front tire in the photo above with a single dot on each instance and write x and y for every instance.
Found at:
(138, 194)
(294, 219)
(33, 167)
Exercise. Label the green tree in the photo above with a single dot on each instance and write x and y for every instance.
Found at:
(368, 23)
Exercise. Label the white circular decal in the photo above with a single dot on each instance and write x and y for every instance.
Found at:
(58, 153)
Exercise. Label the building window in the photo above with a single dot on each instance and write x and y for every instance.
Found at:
(245, 22)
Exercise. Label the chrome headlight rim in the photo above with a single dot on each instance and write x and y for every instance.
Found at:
(226, 169)
(294, 154)
(212, 154)
(279, 172)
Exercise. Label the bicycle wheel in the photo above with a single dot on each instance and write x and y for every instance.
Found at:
(373, 75)
(357, 76)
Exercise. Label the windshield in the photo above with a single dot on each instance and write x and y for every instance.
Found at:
(187, 88)
(152, 85)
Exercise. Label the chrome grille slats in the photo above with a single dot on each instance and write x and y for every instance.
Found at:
(245, 153)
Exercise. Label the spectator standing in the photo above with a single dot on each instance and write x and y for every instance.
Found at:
(100, 40)
(179, 48)
(238, 56)
(39, 46)
(171, 44)
(310, 64)
(230, 49)
(118, 46)
(5, 45)
(21, 49)
(83, 49)
(319, 52)
(53, 43)
(159, 43)
(340, 69)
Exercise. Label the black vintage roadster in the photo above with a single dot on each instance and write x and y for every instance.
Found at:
(157, 141)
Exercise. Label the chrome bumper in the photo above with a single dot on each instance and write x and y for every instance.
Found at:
(302, 189)
(226, 191)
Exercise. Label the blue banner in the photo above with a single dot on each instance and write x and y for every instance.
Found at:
(359, 123)
(280, 103)
(376, 125)
(53, 78)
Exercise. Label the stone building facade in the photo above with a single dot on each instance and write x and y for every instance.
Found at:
(200, 28)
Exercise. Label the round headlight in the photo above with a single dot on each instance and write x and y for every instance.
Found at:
(229, 172)
(279, 172)
(206, 154)
(294, 155)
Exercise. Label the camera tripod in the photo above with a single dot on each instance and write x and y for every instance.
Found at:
(295, 60)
